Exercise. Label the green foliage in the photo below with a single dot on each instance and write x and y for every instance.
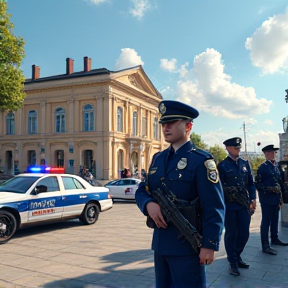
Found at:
(196, 139)
(255, 162)
(11, 55)
(218, 153)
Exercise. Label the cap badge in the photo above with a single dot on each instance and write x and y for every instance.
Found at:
(162, 109)
(238, 140)
(182, 163)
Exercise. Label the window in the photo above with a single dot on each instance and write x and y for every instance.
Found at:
(32, 120)
(88, 118)
(120, 119)
(10, 123)
(144, 124)
(156, 128)
(135, 123)
(31, 157)
(71, 183)
(60, 120)
(50, 182)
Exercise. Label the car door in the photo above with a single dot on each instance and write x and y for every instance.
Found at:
(131, 186)
(46, 205)
(75, 196)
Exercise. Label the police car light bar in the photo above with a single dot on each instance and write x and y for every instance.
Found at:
(45, 169)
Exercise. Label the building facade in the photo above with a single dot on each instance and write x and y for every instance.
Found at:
(105, 120)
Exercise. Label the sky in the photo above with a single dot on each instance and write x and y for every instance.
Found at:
(228, 59)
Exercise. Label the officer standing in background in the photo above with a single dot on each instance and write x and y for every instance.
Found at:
(240, 198)
(189, 173)
(271, 193)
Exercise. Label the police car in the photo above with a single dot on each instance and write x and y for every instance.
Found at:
(31, 198)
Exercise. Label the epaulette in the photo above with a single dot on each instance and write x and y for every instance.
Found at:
(201, 152)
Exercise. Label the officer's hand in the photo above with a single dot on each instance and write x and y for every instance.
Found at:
(154, 212)
(206, 256)
(252, 207)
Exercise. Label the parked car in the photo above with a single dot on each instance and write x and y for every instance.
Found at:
(32, 198)
(123, 188)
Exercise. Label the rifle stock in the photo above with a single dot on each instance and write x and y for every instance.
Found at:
(172, 214)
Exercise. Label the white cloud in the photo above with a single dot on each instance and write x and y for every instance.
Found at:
(128, 58)
(96, 2)
(252, 138)
(269, 44)
(269, 122)
(168, 65)
(209, 89)
(139, 8)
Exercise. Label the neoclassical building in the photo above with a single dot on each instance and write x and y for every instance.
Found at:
(105, 120)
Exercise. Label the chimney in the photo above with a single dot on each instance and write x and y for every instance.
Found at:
(87, 64)
(35, 72)
(69, 66)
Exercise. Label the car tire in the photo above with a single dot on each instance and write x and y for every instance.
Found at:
(90, 214)
(8, 226)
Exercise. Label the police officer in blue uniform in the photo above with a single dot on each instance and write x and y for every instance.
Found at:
(272, 192)
(189, 173)
(240, 198)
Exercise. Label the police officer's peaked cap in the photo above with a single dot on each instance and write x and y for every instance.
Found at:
(269, 148)
(171, 110)
(236, 142)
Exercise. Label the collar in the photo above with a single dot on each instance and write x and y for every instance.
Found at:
(187, 146)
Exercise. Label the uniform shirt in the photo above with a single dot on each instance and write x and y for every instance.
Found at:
(268, 176)
(237, 174)
(187, 177)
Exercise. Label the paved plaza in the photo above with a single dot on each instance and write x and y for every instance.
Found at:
(115, 253)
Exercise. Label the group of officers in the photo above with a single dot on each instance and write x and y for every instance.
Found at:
(226, 193)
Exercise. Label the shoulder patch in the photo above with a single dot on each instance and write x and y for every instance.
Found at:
(212, 172)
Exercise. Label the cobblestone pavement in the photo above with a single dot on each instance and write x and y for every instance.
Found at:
(115, 253)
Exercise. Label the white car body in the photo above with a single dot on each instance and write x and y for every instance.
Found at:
(123, 188)
(66, 197)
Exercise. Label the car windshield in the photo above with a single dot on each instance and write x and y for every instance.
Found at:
(113, 182)
(18, 184)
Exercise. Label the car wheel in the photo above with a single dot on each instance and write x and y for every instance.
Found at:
(8, 226)
(90, 214)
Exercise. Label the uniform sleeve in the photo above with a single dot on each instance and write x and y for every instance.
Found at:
(142, 197)
(212, 201)
(259, 179)
(251, 184)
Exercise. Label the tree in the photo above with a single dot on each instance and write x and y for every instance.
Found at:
(196, 139)
(218, 153)
(255, 162)
(11, 55)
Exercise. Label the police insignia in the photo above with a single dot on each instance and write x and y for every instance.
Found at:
(182, 163)
(212, 173)
(162, 109)
(244, 169)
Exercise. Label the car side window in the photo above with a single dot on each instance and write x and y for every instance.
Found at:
(50, 182)
(71, 183)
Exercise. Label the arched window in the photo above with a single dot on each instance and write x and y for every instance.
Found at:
(120, 119)
(32, 122)
(135, 123)
(60, 120)
(88, 118)
(156, 128)
(10, 123)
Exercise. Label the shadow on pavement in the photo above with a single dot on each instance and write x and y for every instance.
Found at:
(121, 272)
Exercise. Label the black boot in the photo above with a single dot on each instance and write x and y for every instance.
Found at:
(278, 242)
(233, 270)
(242, 264)
(269, 250)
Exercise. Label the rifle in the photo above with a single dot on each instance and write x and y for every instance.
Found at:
(172, 214)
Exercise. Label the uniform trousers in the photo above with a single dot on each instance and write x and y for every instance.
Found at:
(270, 217)
(237, 223)
(179, 271)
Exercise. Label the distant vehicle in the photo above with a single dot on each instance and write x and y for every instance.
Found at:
(32, 198)
(123, 188)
